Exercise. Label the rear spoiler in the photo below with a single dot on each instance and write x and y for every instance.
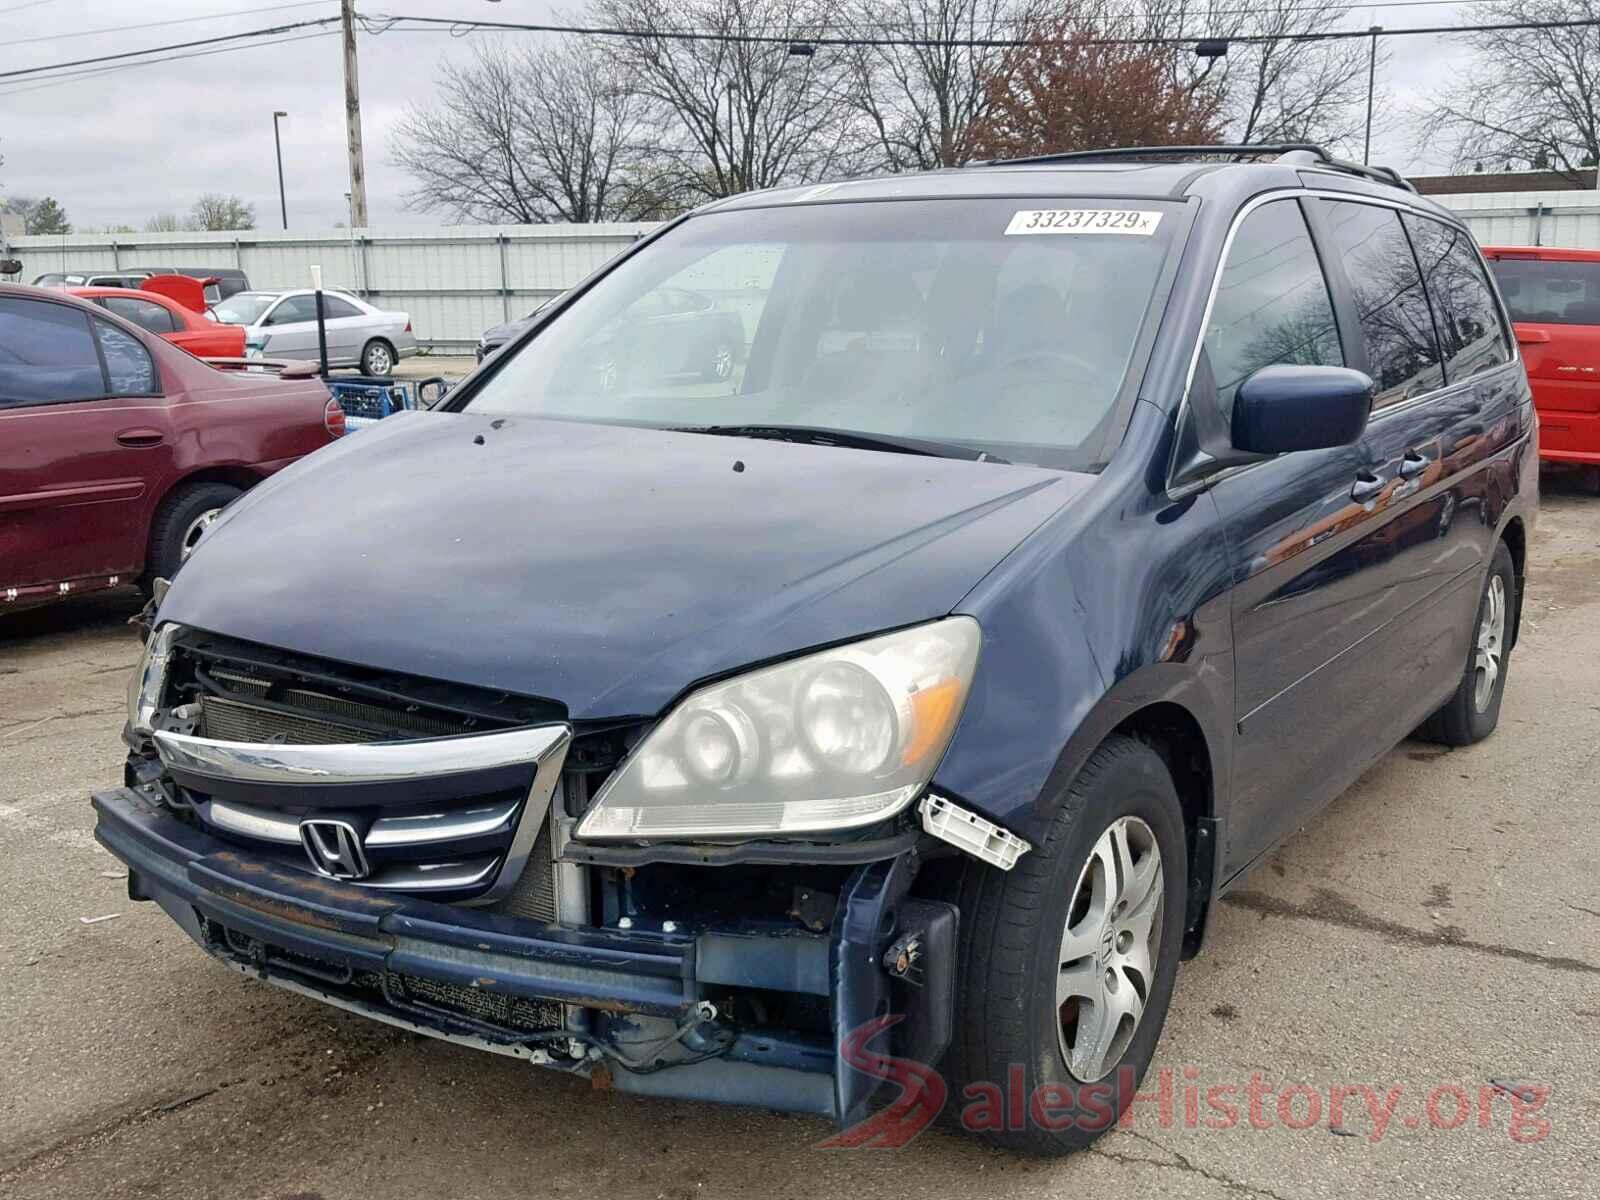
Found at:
(283, 368)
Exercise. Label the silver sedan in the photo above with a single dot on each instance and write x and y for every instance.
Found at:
(283, 324)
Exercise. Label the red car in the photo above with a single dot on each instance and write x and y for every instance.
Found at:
(172, 306)
(1554, 299)
(118, 449)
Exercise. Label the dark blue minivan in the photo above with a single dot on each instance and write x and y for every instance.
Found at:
(866, 731)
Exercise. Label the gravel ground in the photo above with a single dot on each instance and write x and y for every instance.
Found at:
(1435, 929)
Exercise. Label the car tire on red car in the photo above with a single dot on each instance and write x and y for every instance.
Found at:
(178, 525)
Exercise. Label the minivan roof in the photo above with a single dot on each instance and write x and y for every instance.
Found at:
(1119, 175)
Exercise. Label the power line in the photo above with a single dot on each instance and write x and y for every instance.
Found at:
(20, 7)
(402, 23)
(211, 41)
(69, 77)
(801, 39)
(243, 12)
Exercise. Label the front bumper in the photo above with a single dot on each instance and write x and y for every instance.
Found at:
(376, 953)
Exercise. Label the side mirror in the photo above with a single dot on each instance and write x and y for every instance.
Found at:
(1279, 409)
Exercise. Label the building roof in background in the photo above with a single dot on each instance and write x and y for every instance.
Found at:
(1503, 181)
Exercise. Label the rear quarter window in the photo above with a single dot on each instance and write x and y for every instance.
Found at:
(1472, 336)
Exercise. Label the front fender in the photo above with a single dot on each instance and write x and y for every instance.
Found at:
(1119, 603)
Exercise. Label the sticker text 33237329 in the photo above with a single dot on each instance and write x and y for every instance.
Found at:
(1137, 222)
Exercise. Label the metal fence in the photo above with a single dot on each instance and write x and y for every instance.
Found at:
(1569, 219)
(454, 282)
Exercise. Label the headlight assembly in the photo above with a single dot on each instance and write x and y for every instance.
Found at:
(834, 740)
(150, 678)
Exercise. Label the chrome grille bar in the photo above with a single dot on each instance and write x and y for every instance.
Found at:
(359, 762)
(423, 829)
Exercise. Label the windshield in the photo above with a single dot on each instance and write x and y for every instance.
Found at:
(243, 308)
(998, 325)
(1549, 292)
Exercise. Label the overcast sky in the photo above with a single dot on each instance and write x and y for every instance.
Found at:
(118, 146)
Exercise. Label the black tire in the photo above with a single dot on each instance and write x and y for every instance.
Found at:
(173, 519)
(1012, 925)
(374, 348)
(1463, 720)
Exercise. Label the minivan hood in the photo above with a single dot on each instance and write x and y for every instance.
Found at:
(602, 566)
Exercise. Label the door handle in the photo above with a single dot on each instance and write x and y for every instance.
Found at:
(1366, 487)
(1412, 465)
(140, 439)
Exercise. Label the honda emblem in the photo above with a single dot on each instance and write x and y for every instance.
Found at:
(334, 848)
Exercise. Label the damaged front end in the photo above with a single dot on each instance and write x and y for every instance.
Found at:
(406, 849)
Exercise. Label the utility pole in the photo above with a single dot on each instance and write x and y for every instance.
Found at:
(277, 142)
(1372, 71)
(352, 118)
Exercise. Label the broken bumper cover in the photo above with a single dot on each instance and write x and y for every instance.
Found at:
(376, 953)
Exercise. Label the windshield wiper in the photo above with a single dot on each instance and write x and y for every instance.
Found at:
(818, 435)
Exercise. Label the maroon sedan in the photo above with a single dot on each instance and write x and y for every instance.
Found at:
(118, 449)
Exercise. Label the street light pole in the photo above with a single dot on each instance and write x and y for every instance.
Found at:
(1372, 71)
(277, 142)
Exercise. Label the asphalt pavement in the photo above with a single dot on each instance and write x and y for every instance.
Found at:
(1420, 965)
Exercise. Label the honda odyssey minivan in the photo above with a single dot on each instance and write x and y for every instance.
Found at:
(871, 729)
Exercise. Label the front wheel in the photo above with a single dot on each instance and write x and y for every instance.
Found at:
(1068, 960)
(1471, 714)
(378, 359)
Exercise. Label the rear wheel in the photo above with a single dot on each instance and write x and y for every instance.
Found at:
(378, 358)
(1068, 960)
(180, 523)
(1471, 714)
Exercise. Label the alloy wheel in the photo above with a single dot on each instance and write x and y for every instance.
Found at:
(1490, 647)
(196, 530)
(378, 361)
(1109, 948)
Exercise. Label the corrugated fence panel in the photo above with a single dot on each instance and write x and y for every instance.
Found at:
(1569, 219)
(455, 282)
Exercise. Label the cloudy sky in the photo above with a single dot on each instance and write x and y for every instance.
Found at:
(116, 146)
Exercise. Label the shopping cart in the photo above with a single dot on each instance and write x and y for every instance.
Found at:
(366, 399)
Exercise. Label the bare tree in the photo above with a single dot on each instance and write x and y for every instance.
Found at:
(1277, 86)
(164, 222)
(545, 133)
(1530, 95)
(924, 101)
(215, 211)
(740, 114)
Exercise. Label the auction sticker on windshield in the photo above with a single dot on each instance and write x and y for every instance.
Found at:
(1138, 222)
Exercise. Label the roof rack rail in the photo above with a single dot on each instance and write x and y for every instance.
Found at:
(1292, 153)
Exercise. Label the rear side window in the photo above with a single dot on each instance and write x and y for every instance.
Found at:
(333, 307)
(1471, 334)
(144, 313)
(129, 368)
(1544, 292)
(1390, 302)
(1272, 302)
(47, 354)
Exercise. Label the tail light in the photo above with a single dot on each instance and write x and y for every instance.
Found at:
(408, 324)
(333, 419)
